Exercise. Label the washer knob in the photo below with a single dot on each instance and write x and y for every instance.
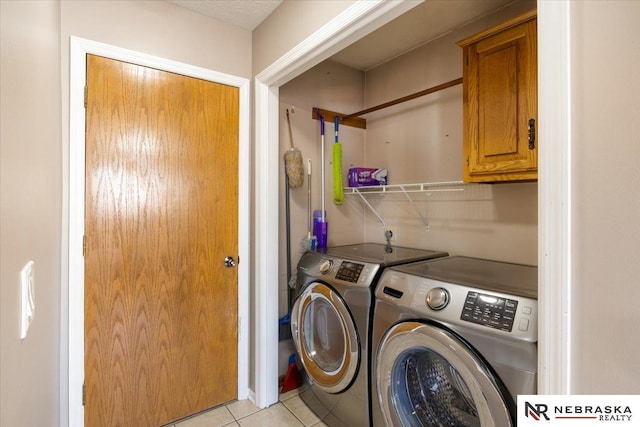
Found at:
(325, 267)
(437, 298)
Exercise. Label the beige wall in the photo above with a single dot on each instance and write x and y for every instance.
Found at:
(606, 201)
(34, 113)
(291, 23)
(159, 28)
(421, 141)
(339, 88)
(35, 135)
(342, 88)
(606, 258)
(31, 185)
(418, 141)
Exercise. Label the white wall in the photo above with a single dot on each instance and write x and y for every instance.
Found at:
(31, 172)
(605, 57)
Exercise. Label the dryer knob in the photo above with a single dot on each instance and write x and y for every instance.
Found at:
(325, 267)
(437, 298)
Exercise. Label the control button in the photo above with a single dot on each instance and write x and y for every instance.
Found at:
(524, 325)
(437, 298)
(325, 267)
(526, 310)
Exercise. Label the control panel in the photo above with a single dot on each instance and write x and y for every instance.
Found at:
(336, 271)
(489, 310)
(454, 305)
(349, 271)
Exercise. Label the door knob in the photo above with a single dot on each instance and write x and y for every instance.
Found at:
(229, 262)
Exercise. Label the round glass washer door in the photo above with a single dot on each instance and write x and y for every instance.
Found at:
(325, 337)
(427, 376)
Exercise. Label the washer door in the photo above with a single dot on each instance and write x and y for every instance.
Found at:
(428, 376)
(325, 337)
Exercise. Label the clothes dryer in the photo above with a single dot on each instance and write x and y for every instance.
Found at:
(330, 324)
(454, 343)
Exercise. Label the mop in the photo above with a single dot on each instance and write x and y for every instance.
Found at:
(320, 227)
(338, 190)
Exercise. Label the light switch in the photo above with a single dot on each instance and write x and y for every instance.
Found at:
(27, 298)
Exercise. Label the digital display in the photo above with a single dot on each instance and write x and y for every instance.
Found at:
(349, 271)
(488, 310)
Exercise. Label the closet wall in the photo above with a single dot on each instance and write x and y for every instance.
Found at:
(417, 141)
(342, 88)
(421, 141)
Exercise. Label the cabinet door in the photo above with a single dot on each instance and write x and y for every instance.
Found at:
(500, 94)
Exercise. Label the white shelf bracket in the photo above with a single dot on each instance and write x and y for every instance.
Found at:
(366, 202)
(424, 188)
(425, 221)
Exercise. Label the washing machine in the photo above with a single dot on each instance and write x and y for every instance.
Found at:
(455, 342)
(330, 324)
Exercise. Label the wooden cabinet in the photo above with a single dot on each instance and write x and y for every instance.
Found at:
(500, 102)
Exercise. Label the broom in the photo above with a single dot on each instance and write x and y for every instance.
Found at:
(293, 161)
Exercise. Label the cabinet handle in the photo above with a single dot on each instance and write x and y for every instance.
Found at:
(532, 134)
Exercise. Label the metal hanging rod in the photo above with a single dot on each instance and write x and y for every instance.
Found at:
(356, 121)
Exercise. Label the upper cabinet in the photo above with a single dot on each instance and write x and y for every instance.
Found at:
(500, 102)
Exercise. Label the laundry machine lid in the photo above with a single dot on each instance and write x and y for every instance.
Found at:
(325, 337)
(509, 278)
(385, 255)
(428, 376)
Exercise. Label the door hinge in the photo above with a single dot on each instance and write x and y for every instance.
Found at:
(84, 394)
(86, 95)
(84, 245)
(467, 160)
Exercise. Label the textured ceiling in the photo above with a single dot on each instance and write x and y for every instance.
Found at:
(425, 22)
(247, 14)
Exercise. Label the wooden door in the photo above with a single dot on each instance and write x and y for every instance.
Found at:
(161, 216)
(500, 95)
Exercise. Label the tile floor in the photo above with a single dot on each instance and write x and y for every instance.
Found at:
(290, 411)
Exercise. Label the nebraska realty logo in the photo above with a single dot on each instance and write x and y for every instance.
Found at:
(578, 410)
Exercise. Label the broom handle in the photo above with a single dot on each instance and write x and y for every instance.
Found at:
(290, 133)
(322, 166)
(310, 214)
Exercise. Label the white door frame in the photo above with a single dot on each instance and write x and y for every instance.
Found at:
(554, 197)
(554, 203)
(359, 19)
(76, 190)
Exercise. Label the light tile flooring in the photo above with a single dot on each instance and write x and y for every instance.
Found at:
(290, 411)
